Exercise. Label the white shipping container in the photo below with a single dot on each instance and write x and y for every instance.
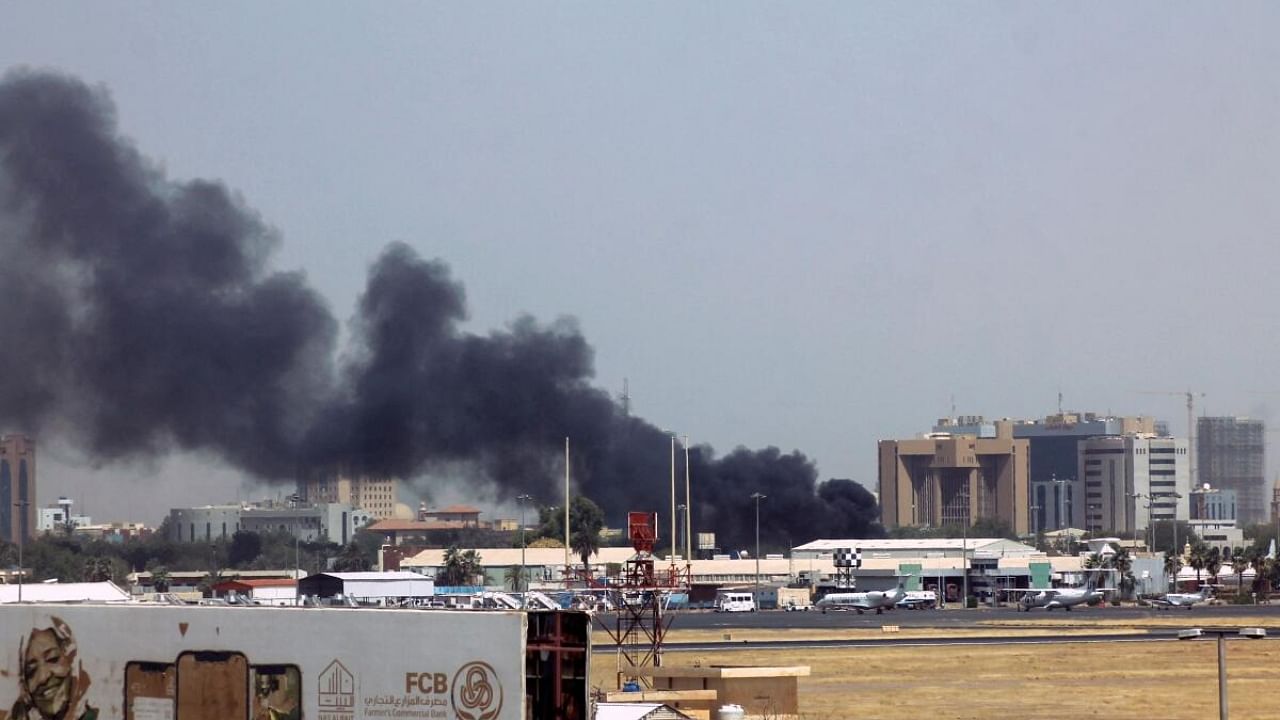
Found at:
(140, 662)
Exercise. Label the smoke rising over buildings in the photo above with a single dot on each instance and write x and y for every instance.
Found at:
(138, 315)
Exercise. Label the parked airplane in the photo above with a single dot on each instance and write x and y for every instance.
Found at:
(1065, 598)
(877, 600)
(1186, 600)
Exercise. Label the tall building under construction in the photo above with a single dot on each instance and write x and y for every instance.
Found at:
(1231, 454)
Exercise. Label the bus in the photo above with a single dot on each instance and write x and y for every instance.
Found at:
(735, 602)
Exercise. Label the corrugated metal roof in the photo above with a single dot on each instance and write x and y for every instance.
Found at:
(388, 576)
(64, 593)
(829, 545)
(637, 711)
(255, 583)
(502, 557)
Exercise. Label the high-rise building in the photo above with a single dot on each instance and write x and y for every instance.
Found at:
(1231, 455)
(17, 487)
(1117, 470)
(377, 495)
(953, 480)
(1057, 495)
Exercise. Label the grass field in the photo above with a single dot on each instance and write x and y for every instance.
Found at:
(1126, 681)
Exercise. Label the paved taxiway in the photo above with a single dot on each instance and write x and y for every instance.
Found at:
(1080, 619)
(957, 618)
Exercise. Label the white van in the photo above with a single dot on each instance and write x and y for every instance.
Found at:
(735, 602)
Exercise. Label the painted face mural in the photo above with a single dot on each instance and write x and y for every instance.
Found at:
(46, 673)
(52, 685)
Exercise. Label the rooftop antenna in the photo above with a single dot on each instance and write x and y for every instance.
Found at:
(953, 405)
(626, 398)
(1059, 402)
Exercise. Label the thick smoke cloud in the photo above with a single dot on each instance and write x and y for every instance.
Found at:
(137, 316)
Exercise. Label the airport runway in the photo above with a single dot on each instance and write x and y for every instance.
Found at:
(957, 618)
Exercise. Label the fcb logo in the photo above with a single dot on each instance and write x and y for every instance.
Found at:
(477, 692)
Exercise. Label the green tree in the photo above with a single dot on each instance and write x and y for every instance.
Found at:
(1239, 563)
(1213, 564)
(990, 527)
(160, 579)
(1122, 563)
(1172, 564)
(352, 559)
(1093, 561)
(452, 572)
(1199, 559)
(244, 549)
(97, 569)
(471, 568)
(586, 520)
(515, 578)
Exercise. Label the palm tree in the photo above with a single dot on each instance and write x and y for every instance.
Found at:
(515, 577)
(97, 569)
(160, 579)
(585, 522)
(1093, 561)
(1122, 563)
(1257, 559)
(1172, 564)
(471, 567)
(1199, 560)
(452, 572)
(1213, 565)
(1239, 563)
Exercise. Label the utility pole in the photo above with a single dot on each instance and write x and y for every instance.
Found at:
(524, 583)
(758, 497)
(688, 512)
(674, 543)
(22, 506)
(566, 512)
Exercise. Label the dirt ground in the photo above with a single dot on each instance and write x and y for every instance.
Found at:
(1120, 680)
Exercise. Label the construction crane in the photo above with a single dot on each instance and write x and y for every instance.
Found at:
(1191, 427)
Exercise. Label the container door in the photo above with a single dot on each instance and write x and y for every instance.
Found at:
(150, 691)
(213, 686)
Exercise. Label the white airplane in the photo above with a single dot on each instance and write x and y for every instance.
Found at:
(1186, 600)
(877, 600)
(1065, 598)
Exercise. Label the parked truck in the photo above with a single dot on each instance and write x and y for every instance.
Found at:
(146, 662)
(794, 599)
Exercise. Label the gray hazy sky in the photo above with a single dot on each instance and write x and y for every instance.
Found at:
(807, 226)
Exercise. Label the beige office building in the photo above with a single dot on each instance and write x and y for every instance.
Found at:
(953, 480)
(375, 495)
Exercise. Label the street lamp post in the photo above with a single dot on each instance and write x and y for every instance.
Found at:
(758, 497)
(22, 506)
(523, 585)
(1062, 502)
(674, 542)
(1252, 633)
(297, 526)
(1134, 498)
(1176, 549)
(688, 512)
(679, 516)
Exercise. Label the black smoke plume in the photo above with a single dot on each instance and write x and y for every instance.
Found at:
(138, 316)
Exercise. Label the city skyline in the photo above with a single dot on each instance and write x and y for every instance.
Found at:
(763, 222)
